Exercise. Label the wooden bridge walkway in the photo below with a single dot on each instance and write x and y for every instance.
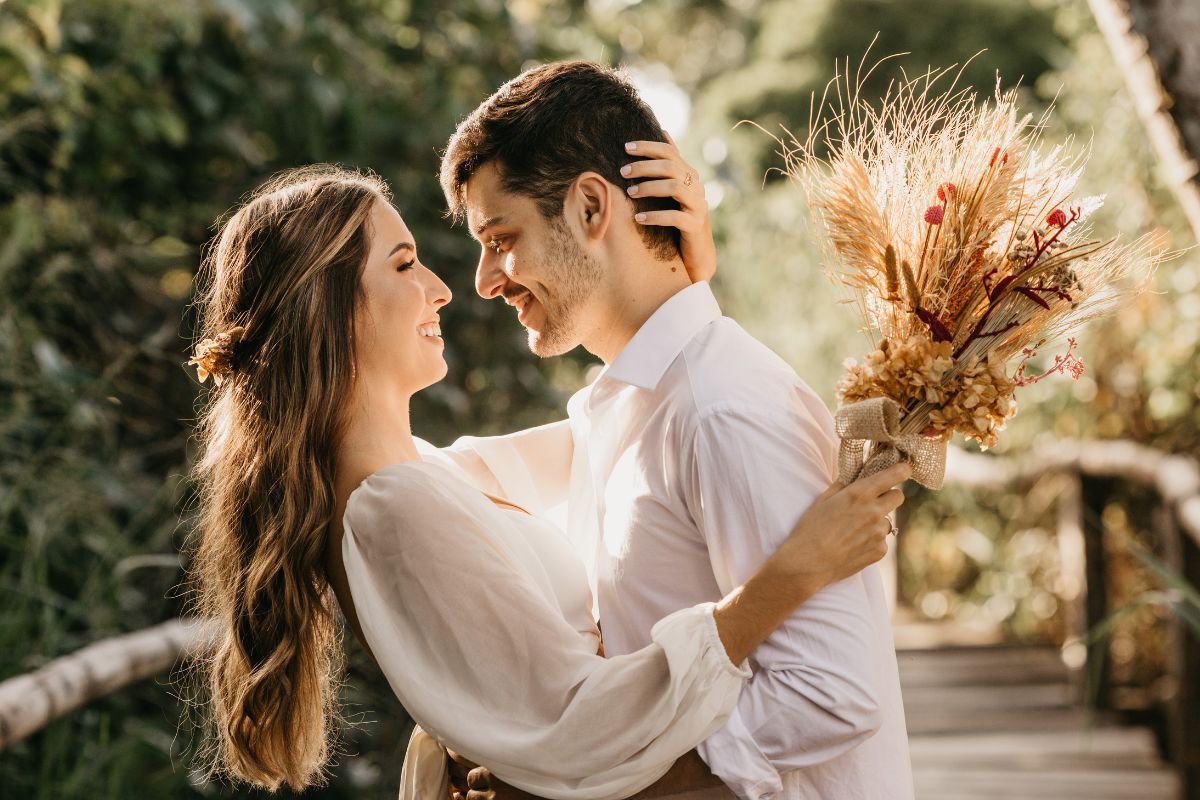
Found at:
(1006, 722)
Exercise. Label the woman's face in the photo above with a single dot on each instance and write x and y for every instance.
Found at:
(397, 331)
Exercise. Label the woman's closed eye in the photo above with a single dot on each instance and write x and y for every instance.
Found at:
(407, 265)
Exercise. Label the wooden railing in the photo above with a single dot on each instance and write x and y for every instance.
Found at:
(32, 701)
(1085, 471)
(1086, 474)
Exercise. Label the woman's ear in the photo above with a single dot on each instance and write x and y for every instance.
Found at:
(590, 201)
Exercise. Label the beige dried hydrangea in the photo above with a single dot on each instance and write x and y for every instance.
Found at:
(980, 403)
(911, 370)
(977, 402)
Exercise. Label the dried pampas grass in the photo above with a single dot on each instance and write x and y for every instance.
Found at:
(957, 230)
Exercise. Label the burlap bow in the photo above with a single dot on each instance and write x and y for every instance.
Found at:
(878, 420)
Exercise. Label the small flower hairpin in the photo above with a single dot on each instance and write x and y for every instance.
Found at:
(215, 356)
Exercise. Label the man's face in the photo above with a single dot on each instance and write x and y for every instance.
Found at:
(536, 264)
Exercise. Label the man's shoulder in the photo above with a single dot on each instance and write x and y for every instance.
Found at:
(725, 368)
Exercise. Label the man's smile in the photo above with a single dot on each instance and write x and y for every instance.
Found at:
(523, 303)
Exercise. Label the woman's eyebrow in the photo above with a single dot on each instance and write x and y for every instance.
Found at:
(402, 246)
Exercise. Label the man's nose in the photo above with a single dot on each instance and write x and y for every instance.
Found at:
(489, 275)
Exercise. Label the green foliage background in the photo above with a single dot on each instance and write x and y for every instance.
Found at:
(127, 127)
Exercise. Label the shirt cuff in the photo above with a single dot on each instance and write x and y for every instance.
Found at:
(692, 633)
(714, 642)
(733, 756)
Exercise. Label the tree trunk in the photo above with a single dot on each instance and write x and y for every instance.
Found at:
(1157, 45)
(30, 702)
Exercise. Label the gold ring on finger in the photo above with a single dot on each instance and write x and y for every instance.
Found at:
(687, 179)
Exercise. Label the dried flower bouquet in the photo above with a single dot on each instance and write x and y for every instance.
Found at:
(957, 233)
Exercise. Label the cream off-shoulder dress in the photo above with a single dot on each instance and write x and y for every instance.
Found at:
(480, 617)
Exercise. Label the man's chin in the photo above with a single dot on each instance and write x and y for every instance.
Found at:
(549, 344)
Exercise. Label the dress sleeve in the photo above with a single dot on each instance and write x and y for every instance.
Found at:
(484, 663)
(531, 467)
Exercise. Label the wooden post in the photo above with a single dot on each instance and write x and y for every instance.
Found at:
(1094, 492)
(1178, 536)
(1167, 536)
(1072, 558)
(1188, 664)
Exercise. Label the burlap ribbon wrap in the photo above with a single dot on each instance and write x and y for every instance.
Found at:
(878, 421)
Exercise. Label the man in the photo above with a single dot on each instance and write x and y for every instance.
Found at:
(686, 462)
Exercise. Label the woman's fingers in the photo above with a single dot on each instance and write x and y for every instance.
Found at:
(652, 168)
(656, 168)
(648, 149)
(663, 172)
(674, 219)
(670, 187)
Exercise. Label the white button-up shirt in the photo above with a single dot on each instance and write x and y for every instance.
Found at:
(684, 465)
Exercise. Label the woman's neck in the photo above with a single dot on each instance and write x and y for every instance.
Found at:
(378, 433)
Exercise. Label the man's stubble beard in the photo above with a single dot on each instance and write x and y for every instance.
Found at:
(572, 274)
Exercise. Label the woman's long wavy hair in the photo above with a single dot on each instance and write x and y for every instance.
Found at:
(285, 267)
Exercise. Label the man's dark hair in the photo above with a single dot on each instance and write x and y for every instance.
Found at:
(545, 127)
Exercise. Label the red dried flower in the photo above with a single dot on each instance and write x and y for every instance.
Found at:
(995, 155)
(946, 190)
(935, 214)
(1066, 364)
(1057, 218)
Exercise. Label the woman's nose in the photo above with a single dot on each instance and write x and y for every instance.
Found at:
(438, 292)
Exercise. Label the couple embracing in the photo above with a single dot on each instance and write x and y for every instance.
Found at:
(708, 621)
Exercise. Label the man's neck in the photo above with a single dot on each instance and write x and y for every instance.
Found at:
(635, 292)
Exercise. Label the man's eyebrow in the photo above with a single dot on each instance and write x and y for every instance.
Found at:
(402, 246)
(487, 223)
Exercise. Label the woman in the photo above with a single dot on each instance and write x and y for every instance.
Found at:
(321, 323)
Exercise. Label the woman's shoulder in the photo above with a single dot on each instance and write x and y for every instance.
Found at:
(404, 494)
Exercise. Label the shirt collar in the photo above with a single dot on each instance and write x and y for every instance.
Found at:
(646, 357)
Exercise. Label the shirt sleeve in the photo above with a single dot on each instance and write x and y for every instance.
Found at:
(483, 662)
(815, 690)
(531, 467)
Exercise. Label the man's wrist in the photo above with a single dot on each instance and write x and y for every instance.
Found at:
(798, 584)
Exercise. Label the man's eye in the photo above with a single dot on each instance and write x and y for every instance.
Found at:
(496, 244)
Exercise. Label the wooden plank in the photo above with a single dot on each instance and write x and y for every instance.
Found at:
(933, 720)
(1005, 665)
(1046, 784)
(1101, 748)
(912, 633)
(971, 699)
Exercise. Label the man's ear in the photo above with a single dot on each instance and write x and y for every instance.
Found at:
(590, 202)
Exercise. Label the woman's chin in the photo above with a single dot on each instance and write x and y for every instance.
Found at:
(438, 374)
